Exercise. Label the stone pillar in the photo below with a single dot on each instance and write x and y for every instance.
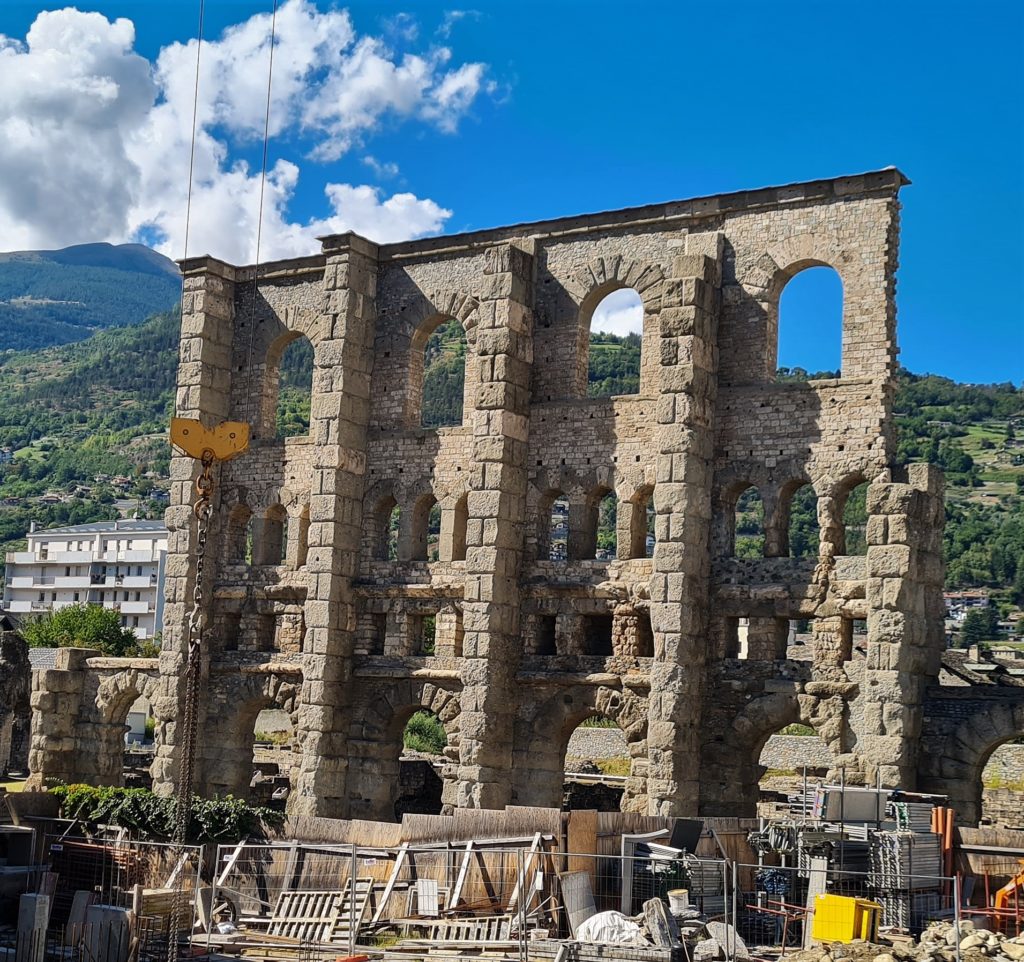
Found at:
(55, 752)
(496, 527)
(340, 412)
(204, 387)
(905, 619)
(679, 586)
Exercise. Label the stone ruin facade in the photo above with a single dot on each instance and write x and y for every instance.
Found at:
(15, 710)
(307, 612)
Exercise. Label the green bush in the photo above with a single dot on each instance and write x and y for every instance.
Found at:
(151, 816)
(798, 729)
(425, 733)
(81, 626)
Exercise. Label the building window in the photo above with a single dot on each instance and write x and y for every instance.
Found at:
(67, 571)
(138, 596)
(126, 596)
(135, 621)
(76, 596)
(53, 595)
(103, 597)
(124, 621)
(42, 596)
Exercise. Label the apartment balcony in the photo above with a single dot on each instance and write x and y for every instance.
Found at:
(22, 558)
(130, 557)
(21, 581)
(136, 608)
(73, 581)
(139, 581)
(19, 607)
(68, 557)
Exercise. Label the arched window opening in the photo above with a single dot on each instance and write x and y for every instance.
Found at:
(420, 787)
(273, 745)
(295, 389)
(855, 522)
(804, 535)
(386, 520)
(238, 541)
(444, 376)
(788, 755)
(558, 529)
(270, 545)
(810, 331)
(426, 528)
(641, 525)
(137, 755)
(749, 524)
(605, 520)
(616, 335)
(1002, 787)
(597, 746)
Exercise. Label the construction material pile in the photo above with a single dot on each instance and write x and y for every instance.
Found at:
(938, 943)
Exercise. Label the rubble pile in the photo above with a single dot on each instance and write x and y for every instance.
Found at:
(938, 943)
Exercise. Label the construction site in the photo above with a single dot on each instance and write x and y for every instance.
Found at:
(302, 578)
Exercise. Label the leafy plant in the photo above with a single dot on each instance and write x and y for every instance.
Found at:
(151, 816)
(81, 626)
(425, 733)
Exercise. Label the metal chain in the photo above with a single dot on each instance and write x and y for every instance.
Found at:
(189, 722)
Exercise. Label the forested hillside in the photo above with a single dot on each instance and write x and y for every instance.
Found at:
(55, 297)
(101, 407)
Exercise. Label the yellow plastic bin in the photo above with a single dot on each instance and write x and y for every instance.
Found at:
(841, 918)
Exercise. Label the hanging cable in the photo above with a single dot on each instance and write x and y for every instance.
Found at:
(259, 224)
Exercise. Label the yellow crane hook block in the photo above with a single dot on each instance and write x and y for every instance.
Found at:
(226, 441)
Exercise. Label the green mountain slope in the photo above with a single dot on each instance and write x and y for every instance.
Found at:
(55, 297)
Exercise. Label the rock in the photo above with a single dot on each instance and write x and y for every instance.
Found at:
(972, 941)
(708, 950)
(1013, 950)
(885, 957)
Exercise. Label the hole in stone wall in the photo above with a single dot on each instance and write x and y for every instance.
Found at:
(444, 375)
(546, 639)
(749, 521)
(392, 523)
(597, 635)
(1002, 785)
(423, 634)
(803, 523)
(273, 742)
(782, 762)
(644, 635)
(811, 325)
(271, 545)
(558, 542)
(855, 521)
(616, 332)
(295, 389)
(434, 532)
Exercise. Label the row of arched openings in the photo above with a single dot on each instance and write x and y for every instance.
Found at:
(269, 538)
(800, 534)
(810, 340)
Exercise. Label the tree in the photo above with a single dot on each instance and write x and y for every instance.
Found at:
(81, 626)
(980, 624)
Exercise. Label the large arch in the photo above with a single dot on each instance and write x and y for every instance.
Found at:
(542, 738)
(375, 743)
(115, 696)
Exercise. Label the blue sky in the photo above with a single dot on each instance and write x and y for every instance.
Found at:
(528, 110)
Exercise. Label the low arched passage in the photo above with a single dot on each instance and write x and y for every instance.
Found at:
(542, 738)
(375, 744)
(115, 696)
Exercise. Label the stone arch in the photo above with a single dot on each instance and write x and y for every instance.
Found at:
(956, 764)
(378, 503)
(732, 769)
(232, 707)
(591, 284)
(765, 279)
(375, 743)
(426, 317)
(632, 522)
(115, 696)
(541, 741)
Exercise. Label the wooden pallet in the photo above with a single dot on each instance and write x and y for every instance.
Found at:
(324, 917)
(490, 928)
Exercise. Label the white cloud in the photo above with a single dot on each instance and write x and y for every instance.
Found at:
(621, 312)
(95, 140)
(383, 169)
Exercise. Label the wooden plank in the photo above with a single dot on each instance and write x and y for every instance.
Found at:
(460, 881)
(390, 886)
(228, 865)
(524, 876)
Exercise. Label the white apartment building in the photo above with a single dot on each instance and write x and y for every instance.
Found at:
(117, 564)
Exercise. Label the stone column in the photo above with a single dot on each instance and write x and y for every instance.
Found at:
(204, 386)
(55, 751)
(679, 586)
(905, 619)
(495, 531)
(343, 361)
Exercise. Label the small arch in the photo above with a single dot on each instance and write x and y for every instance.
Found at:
(456, 538)
(238, 539)
(601, 533)
(444, 376)
(642, 537)
(553, 533)
(615, 346)
(851, 505)
(800, 506)
(386, 521)
(748, 523)
(269, 542)
(425, 529)
(293, 366)
(809, 322)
